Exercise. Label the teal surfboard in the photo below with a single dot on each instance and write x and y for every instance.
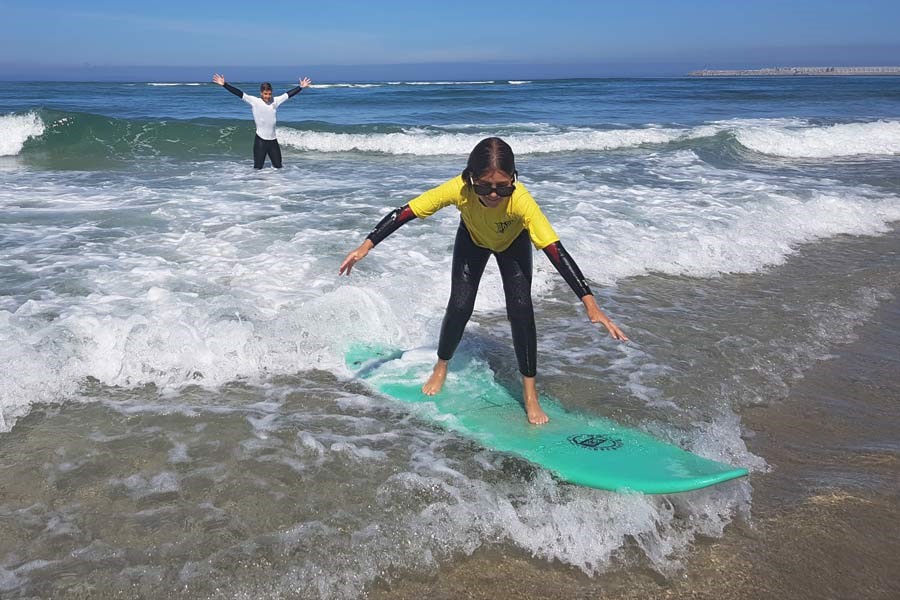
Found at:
(578, 448)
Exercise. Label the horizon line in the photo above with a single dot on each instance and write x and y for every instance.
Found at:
(387, 72)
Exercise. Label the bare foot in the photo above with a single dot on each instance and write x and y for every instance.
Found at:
(536, 414)
(436, 381)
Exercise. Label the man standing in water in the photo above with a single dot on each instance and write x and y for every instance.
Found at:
(264, 107)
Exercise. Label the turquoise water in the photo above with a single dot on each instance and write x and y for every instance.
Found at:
(173, 326)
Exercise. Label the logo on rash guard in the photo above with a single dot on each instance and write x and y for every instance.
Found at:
(503, 225)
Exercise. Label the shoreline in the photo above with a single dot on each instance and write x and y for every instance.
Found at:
(823, 522)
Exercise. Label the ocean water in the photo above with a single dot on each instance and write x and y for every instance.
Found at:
(175, 412)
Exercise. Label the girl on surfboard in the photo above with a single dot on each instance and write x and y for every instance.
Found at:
(499, 217)
(265, 143)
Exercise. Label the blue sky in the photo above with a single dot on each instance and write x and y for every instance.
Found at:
(373, 39)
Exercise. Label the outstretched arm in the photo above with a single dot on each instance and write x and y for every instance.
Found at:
(388, 225)
(567, 267)
(304, 83)
(221, 81)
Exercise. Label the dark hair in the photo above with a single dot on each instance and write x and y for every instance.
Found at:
(490, 154)
(265, 87)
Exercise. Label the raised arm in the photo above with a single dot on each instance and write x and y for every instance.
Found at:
(304, 83)
(221, 81)
(386, 226)
(569, 270)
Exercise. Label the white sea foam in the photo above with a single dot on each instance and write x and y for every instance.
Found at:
(718, 224)
(241, 284)
(423, 142)
(15, 130)
(459, 506)
(576, 526)
(174, 84)
(440, 82)
(345, 85)
(758, 235)
(845, 139)
(794, 138)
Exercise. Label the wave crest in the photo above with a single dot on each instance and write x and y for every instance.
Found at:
(845, 139)
(15, 130)
(422, 142)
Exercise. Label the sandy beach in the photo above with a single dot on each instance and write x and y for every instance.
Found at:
(826, 519)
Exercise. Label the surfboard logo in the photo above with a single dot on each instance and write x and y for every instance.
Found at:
(593, 441)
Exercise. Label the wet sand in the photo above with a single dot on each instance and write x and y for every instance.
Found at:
(825, 520)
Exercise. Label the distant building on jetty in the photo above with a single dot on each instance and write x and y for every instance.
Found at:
(795, 71)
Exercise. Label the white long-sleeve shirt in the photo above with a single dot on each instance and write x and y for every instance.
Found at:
(264, 114)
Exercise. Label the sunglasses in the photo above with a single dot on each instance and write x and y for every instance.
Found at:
(482, 189)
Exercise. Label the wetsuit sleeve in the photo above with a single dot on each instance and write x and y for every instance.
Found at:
(294, 91)
(233, 90)
(567, 267)
(449, 192)
(391, 223)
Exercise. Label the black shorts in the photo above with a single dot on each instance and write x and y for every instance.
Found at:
(261, 148)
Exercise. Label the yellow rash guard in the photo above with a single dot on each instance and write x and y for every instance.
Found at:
(491, 228)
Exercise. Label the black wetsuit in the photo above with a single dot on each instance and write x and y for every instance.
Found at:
(263, 148)
(515, 264)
